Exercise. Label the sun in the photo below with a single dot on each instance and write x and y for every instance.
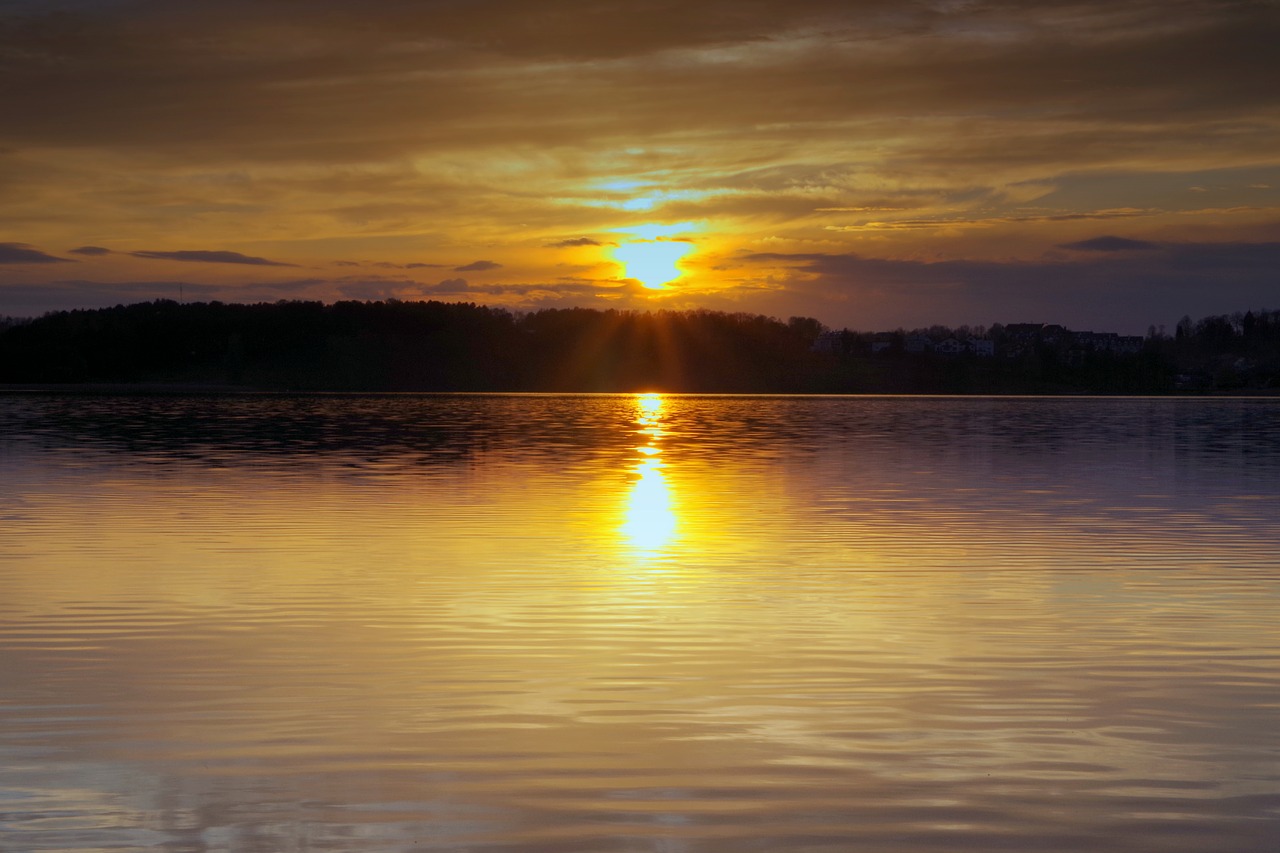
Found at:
(653, 263)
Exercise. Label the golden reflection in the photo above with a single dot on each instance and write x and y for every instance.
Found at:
(650, 521)
(650, 406)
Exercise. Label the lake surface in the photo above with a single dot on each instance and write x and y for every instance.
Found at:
(656, 623)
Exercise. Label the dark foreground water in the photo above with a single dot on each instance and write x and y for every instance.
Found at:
(531, 623)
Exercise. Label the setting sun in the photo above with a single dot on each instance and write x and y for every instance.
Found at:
(653, 263)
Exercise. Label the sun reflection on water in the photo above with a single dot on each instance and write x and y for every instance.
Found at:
(650, 522)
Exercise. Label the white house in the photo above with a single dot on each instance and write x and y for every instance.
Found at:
(918, 343)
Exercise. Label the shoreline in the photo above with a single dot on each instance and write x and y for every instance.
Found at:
(218, 389)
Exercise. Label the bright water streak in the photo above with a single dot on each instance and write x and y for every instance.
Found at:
(639, 624)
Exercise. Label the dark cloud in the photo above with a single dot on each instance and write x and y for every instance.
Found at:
(576, 241)
(995, 117)
(210, 257)
(22, 253)
(449, 285)
(1102, 291)
(1179, 256)
(33, 299)
(92, 251)
(1157, 189)
(206, 79)
(29, 299)
(952, 220)
(379, 288)
(524, 294)
(346, 263)
(388, 265)
(1262, 259)
(293, 286)
(566, 288)
(1110, 244)
(1105, 291)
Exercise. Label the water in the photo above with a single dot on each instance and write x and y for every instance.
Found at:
(615, 623)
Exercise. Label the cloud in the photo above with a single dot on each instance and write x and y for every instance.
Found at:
(380, 288)
(1102, 290)
(955, 221)
(292, 286)
(576, 241)
(1209, 259)
(388, 265)
(867, 209)
(33, 299)
(524, 295)
(30, 299)
(983, 128)
(1109, 244)
(210, 257)
(22, 253)
(478, 266)
(90, 250)
(449, 285)
(775, 70)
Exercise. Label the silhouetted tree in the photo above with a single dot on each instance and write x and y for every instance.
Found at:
(436, 346)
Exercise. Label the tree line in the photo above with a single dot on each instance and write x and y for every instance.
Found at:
(436, 346)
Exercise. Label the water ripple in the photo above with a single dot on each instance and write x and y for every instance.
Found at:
(588, 623)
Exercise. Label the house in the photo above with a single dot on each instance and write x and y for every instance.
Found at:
(830, 342)
(1052, 333)
(1107, 342)
(983, 347)
(1092, 340)
(1023, 332)
(918, 343)
(1048, 333)
(950, 346)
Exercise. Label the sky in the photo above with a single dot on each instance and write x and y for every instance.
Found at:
(875, 164)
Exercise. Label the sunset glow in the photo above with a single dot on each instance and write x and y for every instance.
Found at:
(653, 263)
(999, 163)
(738, 426)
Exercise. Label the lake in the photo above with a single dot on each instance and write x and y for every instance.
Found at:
(639, 623)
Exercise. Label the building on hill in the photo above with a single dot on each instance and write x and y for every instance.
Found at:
(982, 347)
(918, 343)
(828, 342)
(1023, 333)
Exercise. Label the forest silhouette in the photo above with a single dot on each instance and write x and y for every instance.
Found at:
(438, 346)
